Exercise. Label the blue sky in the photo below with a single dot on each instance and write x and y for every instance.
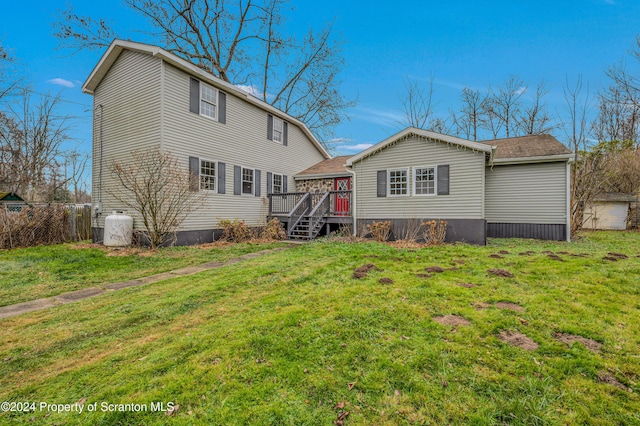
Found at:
(460, 43)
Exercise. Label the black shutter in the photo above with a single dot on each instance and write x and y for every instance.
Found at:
(284, 183)
(194, 173)
(382, 183)
(237, 180)
(194, 98)
(222, 178)
(443, 179)
(269, 183)
(270, 127)
(285, 133)
(222, 107)
(256, 183)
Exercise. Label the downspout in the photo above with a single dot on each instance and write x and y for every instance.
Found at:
(353, 199)
(569, 200)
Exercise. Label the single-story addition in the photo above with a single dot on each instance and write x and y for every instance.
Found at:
(608, 211)
(254, 161)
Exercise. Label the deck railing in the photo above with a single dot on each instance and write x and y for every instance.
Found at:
(339, 203)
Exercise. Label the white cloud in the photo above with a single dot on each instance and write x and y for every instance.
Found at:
(252, 90)
(62, 82)
(377, 116)
(340, 140)
(356, 147)
(521, 90)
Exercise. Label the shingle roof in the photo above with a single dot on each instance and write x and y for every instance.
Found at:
(331, 166)
(528, 146)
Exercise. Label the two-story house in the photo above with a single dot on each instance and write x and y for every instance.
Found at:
(254, 161)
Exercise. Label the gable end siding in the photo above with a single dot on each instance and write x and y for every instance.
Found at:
(465, 182)
(241, 141)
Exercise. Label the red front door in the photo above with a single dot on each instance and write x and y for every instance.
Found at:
(342, 198)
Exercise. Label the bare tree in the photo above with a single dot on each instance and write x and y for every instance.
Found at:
(502, 107)
(627, 83)
(8, 82)
(416, 103)
(75, 166)
(153, 184)
(32, 135)
(618, 118)
(242, 43)
(585, 170)
(534, 119)
(467, 122)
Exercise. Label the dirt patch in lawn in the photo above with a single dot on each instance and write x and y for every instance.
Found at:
(453, 320)
(555, 257)
(504, 252)
(526, 253)
(518, 339)
(364, 270)
(495, 256)
(436, 269)
(480, 305)
(500, 273)
(385, 280)
(424, 275)
(579, 255)
(466, 285)
(458, 261)
(608, 378)
(510, 306)
(618, 255)
(569, 339)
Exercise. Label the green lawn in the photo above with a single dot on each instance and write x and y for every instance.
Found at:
(292, 338)
(45, 271)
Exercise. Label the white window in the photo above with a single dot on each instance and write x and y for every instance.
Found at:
(207, 175)
(247, 181)
(208, 101)
(398, 182)
(424, 181)
(276, 184)
(278, 130)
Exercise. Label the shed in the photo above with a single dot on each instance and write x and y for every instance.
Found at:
(608, 211)
(10, 197)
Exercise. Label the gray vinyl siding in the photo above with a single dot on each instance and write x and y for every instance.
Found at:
(526, 193)
(130, 119)
(242, 141)
(466, 175)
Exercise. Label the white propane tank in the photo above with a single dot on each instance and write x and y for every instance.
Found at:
(118, 229)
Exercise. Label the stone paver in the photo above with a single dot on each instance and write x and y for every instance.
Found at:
(85, 293)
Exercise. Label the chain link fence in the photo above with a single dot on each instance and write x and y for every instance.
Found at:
(28, 225)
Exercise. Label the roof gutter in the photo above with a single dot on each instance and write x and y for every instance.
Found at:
(536, 159)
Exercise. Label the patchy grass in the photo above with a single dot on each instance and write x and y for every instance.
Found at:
(293, 338)
(45, 271)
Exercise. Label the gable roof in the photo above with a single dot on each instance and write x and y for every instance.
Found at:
(117, 46)
(529, 149)
(412, 131)
(333, 167)
(10, 196)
